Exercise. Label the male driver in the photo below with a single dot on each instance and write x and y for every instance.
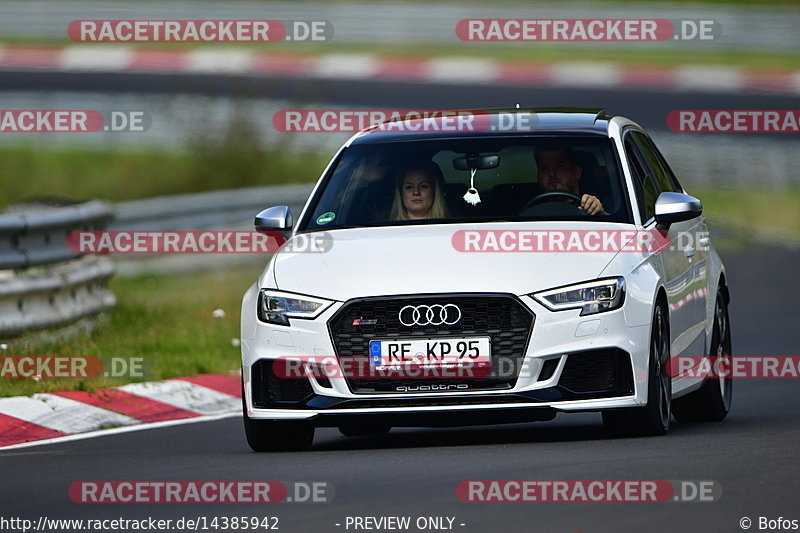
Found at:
(558, 171)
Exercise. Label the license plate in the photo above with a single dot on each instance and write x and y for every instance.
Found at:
(470, 351)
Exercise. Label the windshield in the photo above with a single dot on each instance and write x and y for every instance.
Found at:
(472, 180)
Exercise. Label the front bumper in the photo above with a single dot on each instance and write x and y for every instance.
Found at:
(561, 345)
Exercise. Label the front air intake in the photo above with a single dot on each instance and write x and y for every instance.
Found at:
(273, 391)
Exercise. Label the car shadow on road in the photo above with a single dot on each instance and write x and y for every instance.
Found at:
(587, 428)
(541, 432)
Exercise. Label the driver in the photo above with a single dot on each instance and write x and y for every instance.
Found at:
(559, 172)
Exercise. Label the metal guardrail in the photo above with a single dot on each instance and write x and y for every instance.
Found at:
(60, 296)
(65, 287)
(38, 236)
(230, 209)
(217, 209)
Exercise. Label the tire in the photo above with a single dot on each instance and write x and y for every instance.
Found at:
(712, 401)
(276, 435)
(653, 418)
(355, 429)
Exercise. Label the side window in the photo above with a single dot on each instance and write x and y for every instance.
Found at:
(676, 186)
(646, 188)
(652, 159)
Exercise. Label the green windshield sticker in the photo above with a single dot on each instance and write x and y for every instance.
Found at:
(326, 218)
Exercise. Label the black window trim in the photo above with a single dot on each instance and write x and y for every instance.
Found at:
(302, 224)
(648, 171)
(670, 173)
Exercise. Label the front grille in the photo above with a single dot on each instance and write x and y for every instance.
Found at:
(601, 371)
(503, 318)
(272, 391)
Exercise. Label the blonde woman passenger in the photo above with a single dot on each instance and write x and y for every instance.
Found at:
(420, 194)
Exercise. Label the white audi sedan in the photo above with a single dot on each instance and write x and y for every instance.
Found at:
(502, 268)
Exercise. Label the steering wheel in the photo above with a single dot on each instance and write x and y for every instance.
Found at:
(554, 196)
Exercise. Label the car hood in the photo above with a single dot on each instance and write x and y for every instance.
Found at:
(366, 262)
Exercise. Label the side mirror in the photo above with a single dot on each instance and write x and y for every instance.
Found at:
(674, 207)
(278, 219)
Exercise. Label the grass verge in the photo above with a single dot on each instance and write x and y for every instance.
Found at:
(167, 320)
(648, 54)
(117, 175)
(762, 210)
(547, 52)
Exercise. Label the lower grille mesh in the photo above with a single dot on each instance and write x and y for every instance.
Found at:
(601, 371)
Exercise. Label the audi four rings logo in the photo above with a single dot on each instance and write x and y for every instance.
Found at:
(429, 315)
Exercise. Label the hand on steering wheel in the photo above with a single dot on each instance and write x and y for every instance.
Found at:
(555, 196)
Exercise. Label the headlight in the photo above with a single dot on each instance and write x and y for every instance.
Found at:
(277, 307)
(590, 297)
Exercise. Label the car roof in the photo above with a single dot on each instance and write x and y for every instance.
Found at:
(547, 121)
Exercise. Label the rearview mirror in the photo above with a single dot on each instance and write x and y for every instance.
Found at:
(476, 161)
(278, 218)
(674, 207)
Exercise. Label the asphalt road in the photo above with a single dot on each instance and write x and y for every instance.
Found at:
(754, 454)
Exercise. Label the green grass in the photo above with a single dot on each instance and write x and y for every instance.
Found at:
(640, 2)
(80, 173)
(651, 55)
(565, 2)
(759, 209)
(167, 320)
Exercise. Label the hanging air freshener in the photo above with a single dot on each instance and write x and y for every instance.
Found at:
(472, 197)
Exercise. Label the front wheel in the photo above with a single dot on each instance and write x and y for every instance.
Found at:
(712, 401)
(653, 418)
